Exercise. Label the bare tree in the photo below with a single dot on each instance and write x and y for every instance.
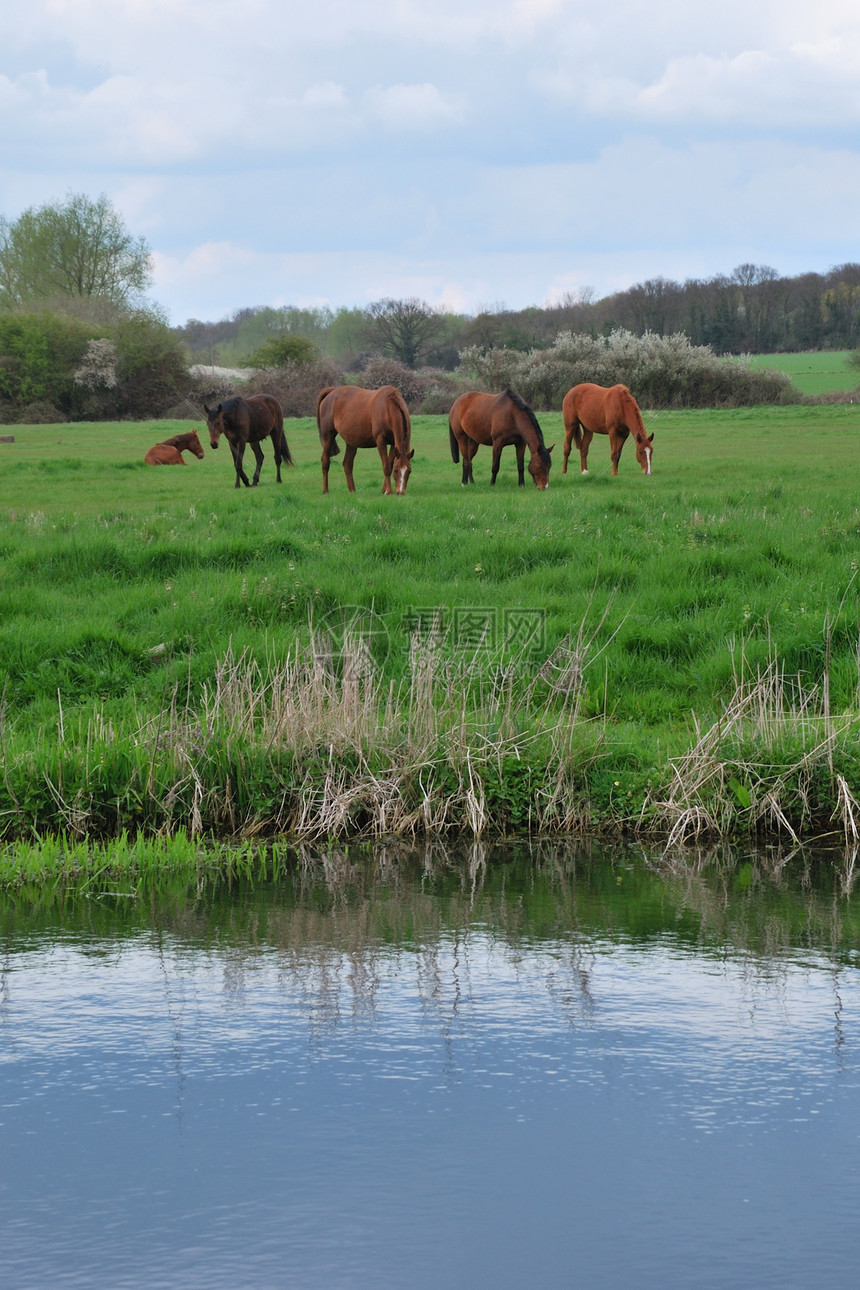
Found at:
(405, 329)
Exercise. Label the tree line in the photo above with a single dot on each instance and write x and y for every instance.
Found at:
(752, 310)
(79, 338)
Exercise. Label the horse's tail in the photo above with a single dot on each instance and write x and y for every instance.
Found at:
(333, 446)
(455, 447)
(278, 435)
(286, 455)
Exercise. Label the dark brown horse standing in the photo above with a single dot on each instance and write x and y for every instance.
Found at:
(497, 420)
(170, 452)
(589, 409)
(247, 422)
(366, 419)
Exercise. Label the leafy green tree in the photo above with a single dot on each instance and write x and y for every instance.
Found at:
(278, 351)
(71, 249)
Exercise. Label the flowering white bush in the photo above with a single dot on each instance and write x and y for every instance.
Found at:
(97, 370)
(661, 371)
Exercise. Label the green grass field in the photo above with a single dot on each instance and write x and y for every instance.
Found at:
(816, 373)
(156, 625)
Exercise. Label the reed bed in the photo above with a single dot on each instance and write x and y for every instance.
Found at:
(319, 747)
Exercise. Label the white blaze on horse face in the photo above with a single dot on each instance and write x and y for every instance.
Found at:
(401, 475)
(647, 461)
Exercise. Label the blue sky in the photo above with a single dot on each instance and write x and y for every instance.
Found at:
(471, 152)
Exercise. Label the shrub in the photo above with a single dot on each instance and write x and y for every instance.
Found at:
(151, 369)
(132, 367)
(38, 356)
(661, 371)
(296, 386)
(426, 389)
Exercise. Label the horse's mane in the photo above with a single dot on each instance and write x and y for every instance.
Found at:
(520, 403)
(400, 403)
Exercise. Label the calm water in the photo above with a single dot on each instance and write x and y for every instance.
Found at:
(553, 1068)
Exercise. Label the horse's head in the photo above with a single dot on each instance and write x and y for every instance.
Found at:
(644, 450)
(195, 445)
(401, 470)
(539, 464)
(214, 423)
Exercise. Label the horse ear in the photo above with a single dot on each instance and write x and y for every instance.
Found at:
(651, 437)
(550, 448)
(412, 454)
(205, 409)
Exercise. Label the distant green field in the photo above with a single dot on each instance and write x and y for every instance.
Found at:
(821, 372)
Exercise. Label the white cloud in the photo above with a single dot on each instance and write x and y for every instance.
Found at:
(407, 107)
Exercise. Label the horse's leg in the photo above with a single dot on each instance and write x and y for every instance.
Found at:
(616, 443)
(327, 445)
(497, 457)
(468, 477)
(585, 438)
(276, 444)
(568, 440)
(521, 462)
(465, 455)
(387, 464)
(238, 452)
(348, 459)
(258, 453)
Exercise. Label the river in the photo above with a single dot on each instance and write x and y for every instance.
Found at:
(554, 1066)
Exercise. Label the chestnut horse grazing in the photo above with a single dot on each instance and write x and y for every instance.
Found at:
(366, 419)
(170, 452)
(589, 409)
(497, 420)
(247, 421)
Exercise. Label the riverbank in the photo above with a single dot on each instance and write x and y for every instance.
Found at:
(673, 657)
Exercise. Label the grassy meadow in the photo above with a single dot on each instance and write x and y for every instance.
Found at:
(814, 373)
(677, 655)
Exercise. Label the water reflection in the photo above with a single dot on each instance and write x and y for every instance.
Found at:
(507, 1065)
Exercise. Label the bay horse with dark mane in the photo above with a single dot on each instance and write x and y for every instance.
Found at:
(245, 422)
(589, 409)
(170, 452)
(498, 420)
(366, 419)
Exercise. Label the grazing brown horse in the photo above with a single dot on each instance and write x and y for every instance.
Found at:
(170, 452)
(366, 419)
(247, 421)
(498, 419)
(589, 409)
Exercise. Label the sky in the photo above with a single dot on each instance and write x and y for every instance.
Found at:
(473, 153)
